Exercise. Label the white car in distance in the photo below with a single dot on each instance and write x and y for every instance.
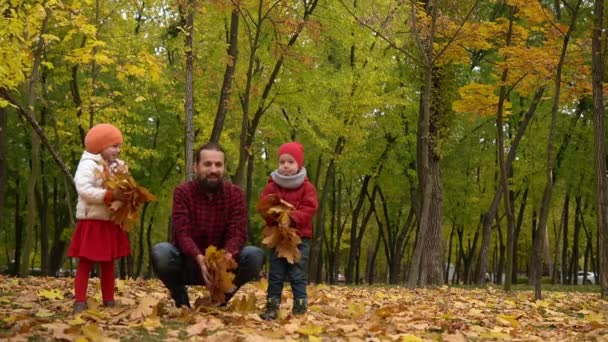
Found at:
(580, 278)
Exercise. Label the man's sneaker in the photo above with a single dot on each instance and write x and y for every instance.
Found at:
(227, 297)
(271, 312)
(180, 297)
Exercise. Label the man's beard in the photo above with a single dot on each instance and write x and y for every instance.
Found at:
(212, 186)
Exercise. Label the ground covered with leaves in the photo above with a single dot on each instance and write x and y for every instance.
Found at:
(40, 309)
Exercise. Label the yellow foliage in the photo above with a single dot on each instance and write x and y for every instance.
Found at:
(477, 98)
(531, 11)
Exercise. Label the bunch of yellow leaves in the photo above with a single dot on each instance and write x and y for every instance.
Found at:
(220, 276)
(125, 213)
(277, 232)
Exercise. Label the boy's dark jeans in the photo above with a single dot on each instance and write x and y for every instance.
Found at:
(296, 273)
(176, 270)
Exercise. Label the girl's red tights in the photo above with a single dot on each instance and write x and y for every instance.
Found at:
(82, 279)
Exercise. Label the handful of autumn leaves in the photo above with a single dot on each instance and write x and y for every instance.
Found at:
(125, 213)
(220, 276)
(277, 232)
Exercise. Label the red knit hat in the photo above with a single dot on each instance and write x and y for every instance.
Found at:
(294, 149)
(101, 137)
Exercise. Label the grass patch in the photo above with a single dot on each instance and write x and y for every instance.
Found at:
(545, 287)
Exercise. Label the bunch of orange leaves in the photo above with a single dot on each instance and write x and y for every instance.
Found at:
(221, 277)
(277, 233)
(125, 213)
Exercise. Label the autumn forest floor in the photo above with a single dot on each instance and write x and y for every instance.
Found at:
(39, 309)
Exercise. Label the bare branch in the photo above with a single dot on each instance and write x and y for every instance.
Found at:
(382, 36)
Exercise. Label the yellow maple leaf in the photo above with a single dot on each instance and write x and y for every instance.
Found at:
(92, 332)
(50, 294)
(507, 320)
(311, 329)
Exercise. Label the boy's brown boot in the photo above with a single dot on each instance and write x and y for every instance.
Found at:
(271, 312)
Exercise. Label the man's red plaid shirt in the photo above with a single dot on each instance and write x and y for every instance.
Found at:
(201, 219)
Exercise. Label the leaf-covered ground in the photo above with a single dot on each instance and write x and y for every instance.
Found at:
(40, 309)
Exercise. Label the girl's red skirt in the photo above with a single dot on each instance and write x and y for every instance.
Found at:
(99, 240)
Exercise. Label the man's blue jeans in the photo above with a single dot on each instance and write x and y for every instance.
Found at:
(296, 273)
(177, 270)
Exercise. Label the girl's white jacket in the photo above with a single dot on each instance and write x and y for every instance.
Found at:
(88, 185)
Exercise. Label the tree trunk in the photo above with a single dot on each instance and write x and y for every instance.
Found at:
(3, 164)
(140, 249)
(318, 233)
(565, 219)
(18, 228)
(447, 267)
(189, 101)
(353, 253)
(432, 260)
(505, 168)
(547, 194)
(504, 171)
(597, 65)
(59, 222)
(224, 101)
(371, 259)
(43, 199)
(500, 249)
(331, 252)
(399, 249)
(518, 225)
(575, 241)
(35, 157)
(423, 144)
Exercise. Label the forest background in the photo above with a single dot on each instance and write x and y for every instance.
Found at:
(450, 141)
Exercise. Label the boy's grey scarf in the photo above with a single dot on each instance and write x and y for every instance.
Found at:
(289, 182)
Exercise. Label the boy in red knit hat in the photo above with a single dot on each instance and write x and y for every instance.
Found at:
(97, 238)
(290, 183)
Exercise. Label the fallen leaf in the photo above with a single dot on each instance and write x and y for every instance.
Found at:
(210, 324)
(92, 332)
(311, 329)
(146, 307)
(410, 338)
(51, 294)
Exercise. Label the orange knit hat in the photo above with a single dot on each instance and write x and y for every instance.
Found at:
(101, 137)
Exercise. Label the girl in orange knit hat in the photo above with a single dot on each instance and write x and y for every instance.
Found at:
(97, 238)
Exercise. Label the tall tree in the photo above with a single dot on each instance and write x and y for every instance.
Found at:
(190, 8)
(601, 190)
(548, 192)
(35, 148)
